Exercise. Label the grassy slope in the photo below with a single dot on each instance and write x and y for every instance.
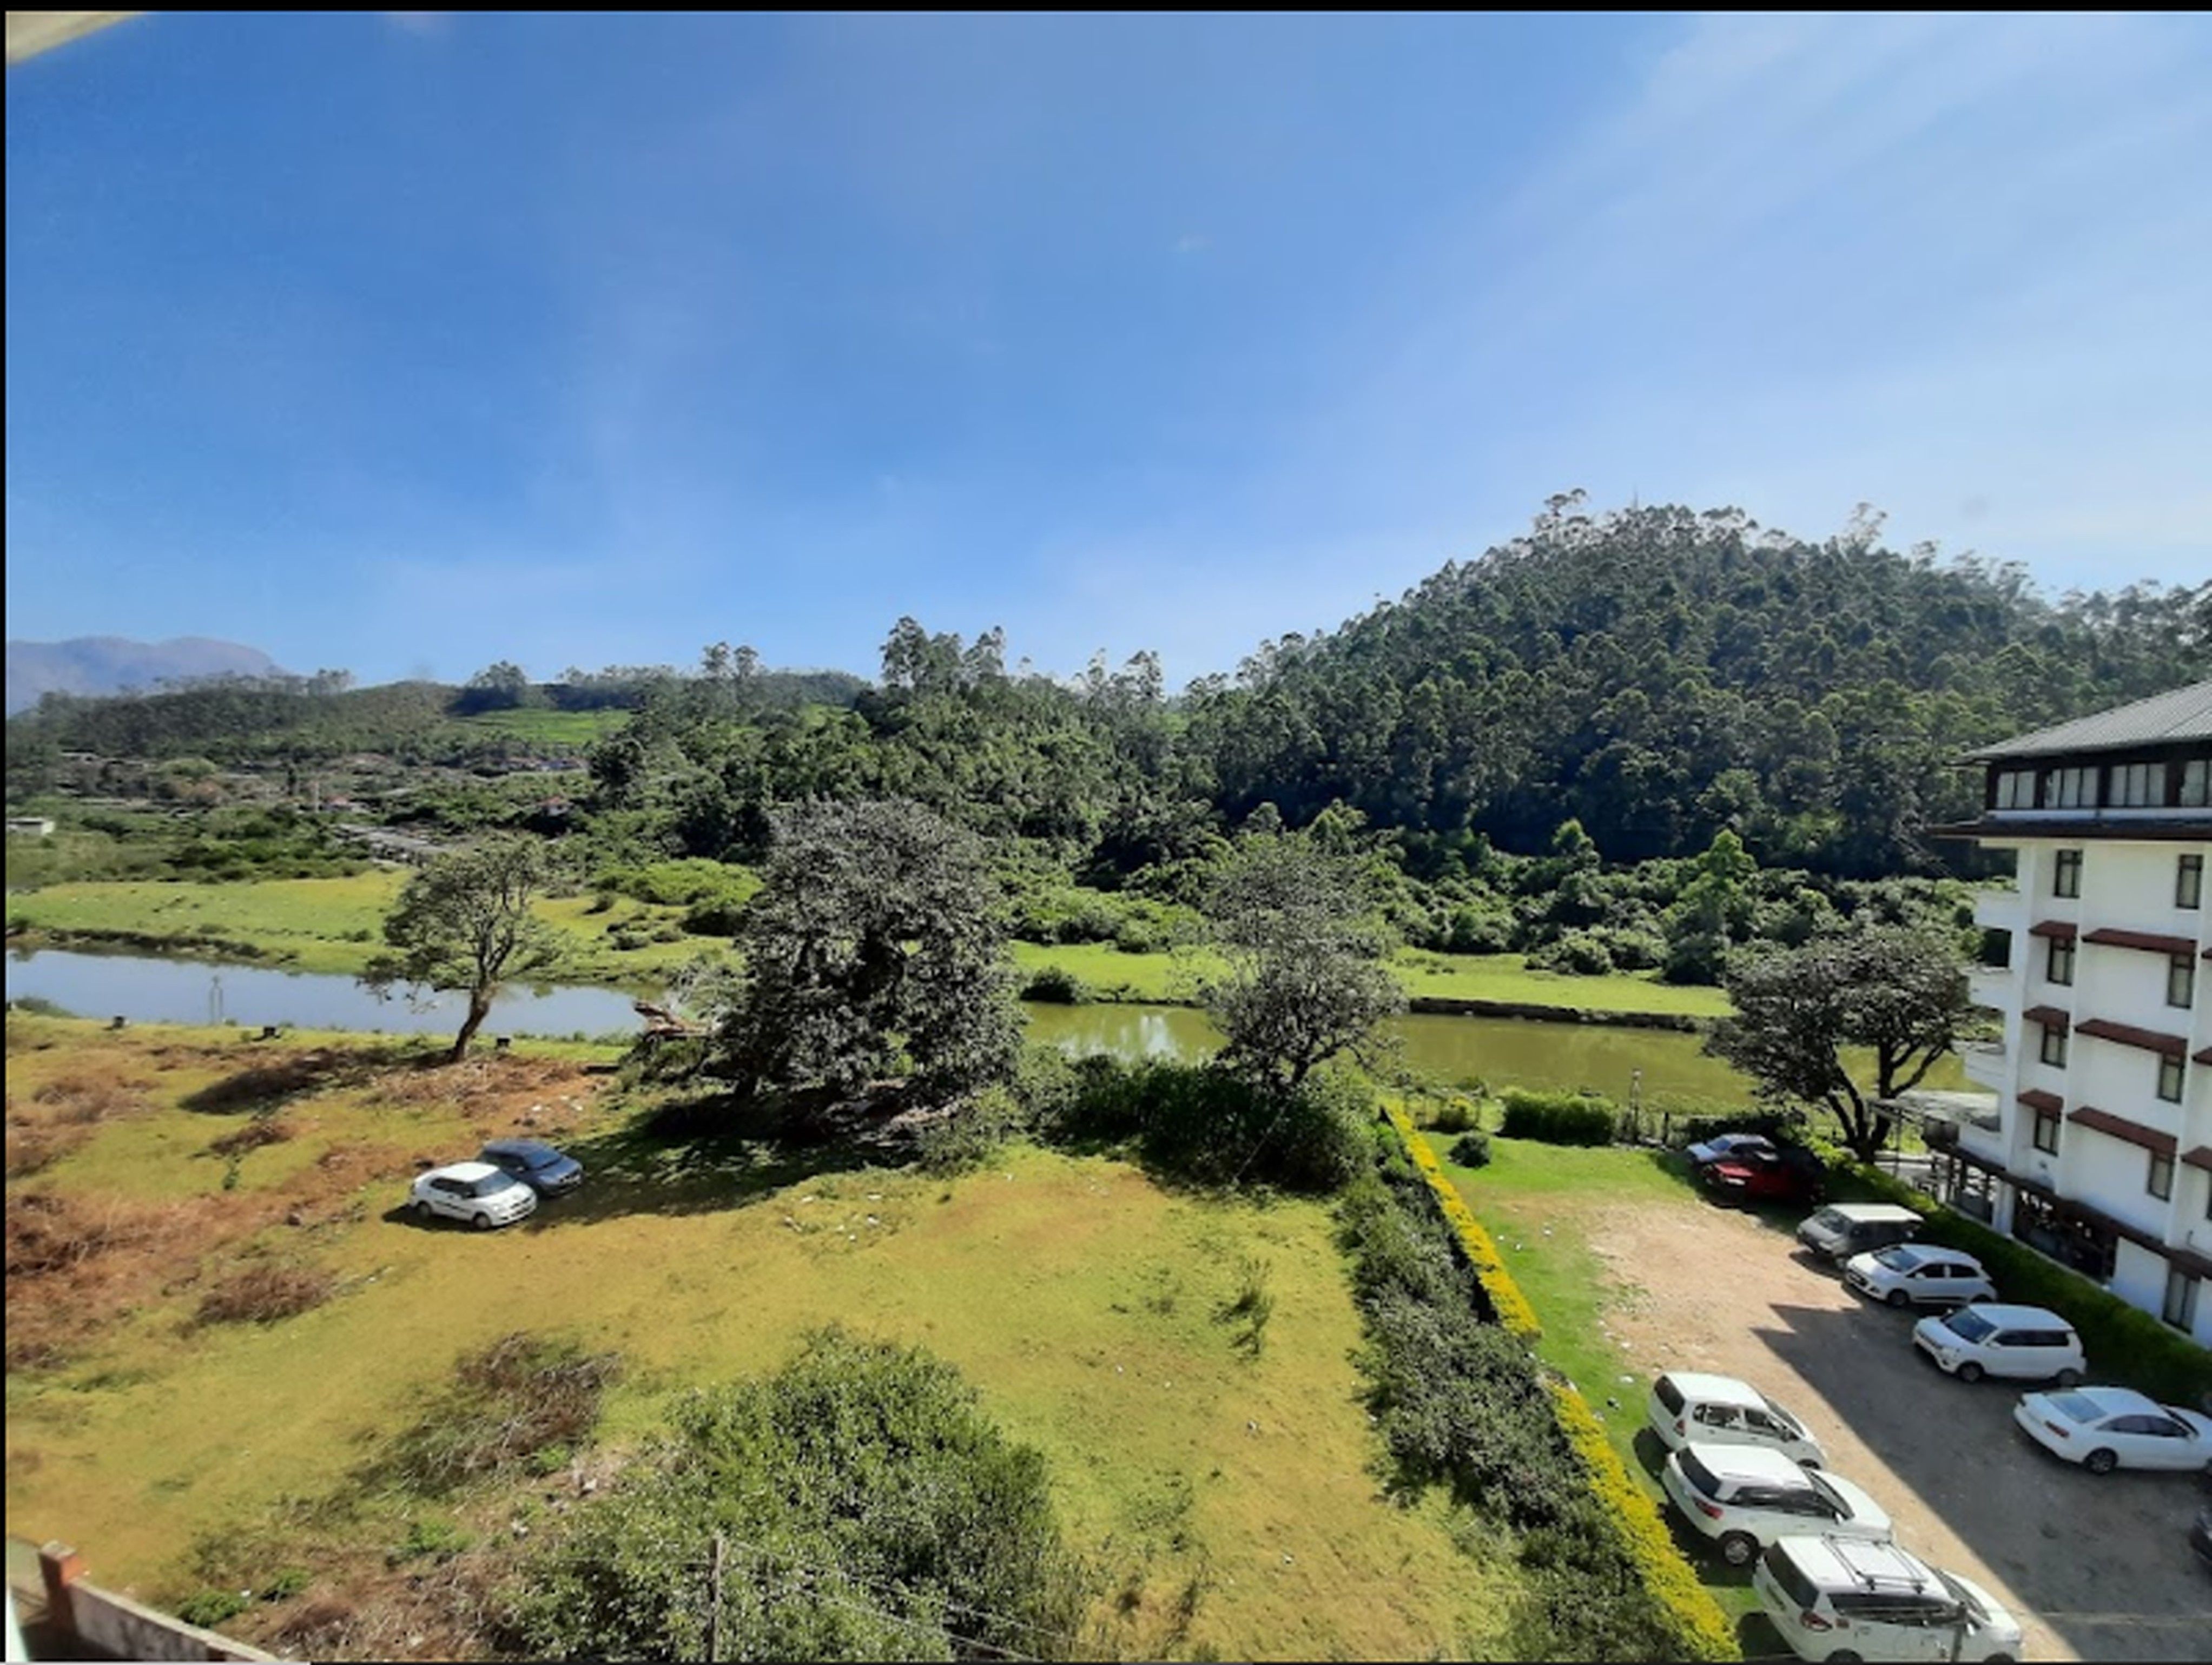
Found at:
(331, 925)
(1519, 1196)
(1078, 1296)
(574, 728)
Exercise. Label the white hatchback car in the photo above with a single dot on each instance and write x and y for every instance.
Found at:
(1745, 1497)
(2108, 1428)
(1919, 1275)
(1833, 1598)
(476, 1192)
(1719, 1410)
(1998, 1340)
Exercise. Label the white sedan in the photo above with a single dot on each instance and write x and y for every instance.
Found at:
(476, 1192)
(2108, 1428)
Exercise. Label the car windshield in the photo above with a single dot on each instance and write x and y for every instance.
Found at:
(1828, 1219)
(1899, 1258)
(1969, 1325)
(1788, 1422)
(1698, 1475)
(2075, 1407)
(1834, 1498)
(490, 1185)
(1964, 1597)
(1669, 1395)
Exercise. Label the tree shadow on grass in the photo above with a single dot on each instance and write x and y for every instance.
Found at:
(270, 1084)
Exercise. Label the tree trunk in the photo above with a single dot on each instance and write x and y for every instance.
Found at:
(479, 1009)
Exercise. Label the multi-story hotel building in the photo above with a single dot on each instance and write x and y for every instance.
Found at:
(2097, 1147)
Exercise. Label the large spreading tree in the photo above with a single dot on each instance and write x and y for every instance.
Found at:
(876, 948)
(464, 923)
(1304, 977)
(1897, 992)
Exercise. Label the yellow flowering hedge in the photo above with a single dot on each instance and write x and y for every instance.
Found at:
(1506, 1300)
(1644, 1534)
(1644, 1538)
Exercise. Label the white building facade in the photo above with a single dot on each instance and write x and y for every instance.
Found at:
(2098, 1150)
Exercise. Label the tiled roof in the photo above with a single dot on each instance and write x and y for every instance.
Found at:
(2183, 714)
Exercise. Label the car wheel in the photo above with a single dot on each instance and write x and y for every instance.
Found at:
(2101, 1462)
(2070, 1378)
(1898, 1298)
(1739, 1549)
(480, 1222)
(1970, 1371)
(1843, 1656)
(1998, 1659)
(425, 1213)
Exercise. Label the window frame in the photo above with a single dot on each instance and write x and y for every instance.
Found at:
(2059, 963)
(2181, 974)
(2158, 1176)
(2174, 1072)
(2049, 1120)
(2181, 1313)
(2054, 1040)
(2188, 883)
(2066, 875)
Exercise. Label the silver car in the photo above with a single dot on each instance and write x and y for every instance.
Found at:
(476, 1192)
(1919, 1275)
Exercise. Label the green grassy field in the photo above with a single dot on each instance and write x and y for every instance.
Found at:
(1080, 1298)
(331, 924)
(571, 728)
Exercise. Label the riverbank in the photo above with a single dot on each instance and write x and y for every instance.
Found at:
(334, 925)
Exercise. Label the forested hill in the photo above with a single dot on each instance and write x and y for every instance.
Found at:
(1658, 673)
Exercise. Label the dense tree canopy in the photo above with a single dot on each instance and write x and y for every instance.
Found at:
(462, 923)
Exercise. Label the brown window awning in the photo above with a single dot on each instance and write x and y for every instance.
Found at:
(2118, 1127)
(2063, 929)
(2036, 1099)
(2150, 1040)
(2199, 1157)
(2152, 941)
(2050, 1017)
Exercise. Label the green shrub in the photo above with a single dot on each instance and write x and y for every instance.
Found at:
(288, 1582)
(968, 1133)
(429, 1539)
(870, 1510)
(1198, 1122)
(207, 1609)
(1054, 985)
(1576, 954)
(1557, 1118)
(2123, 1343)
(508, 1401)
(1471, 1150)
(1454, 1115)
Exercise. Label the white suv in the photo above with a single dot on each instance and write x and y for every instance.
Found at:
(1719, 1410)
(476, 1192)
(1833, 1598)
(1919, 1275)
(1997, 1340)
(1745, 1497)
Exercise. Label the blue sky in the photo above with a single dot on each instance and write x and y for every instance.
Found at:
(404, 342)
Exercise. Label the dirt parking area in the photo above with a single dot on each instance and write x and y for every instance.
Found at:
(2095, 1569)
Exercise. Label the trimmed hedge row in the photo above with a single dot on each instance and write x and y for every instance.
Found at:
(1623, 1513)
(1643, 1531)
(1557, 1118)
(2124, 1344)
(1507, 1304)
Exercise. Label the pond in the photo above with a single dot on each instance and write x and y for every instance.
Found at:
(1501, 1051)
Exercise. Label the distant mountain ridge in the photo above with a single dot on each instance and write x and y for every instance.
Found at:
(111, 664)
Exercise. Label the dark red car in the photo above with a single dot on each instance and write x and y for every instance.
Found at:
(1783, 1173)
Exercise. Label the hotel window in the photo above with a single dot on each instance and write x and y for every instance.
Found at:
(2016, 789)
(2054, 1046)
(2066, 874)
(2158, 1181)
(2070, 789)
(2180, 980)
(2180, 1308)
(2169, 1080)
(2138, 786)
(2195, 783)
(2189, 882)
(2059, 968)
(2046, 1131)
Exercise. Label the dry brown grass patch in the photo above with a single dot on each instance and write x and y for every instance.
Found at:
(265, 1293)
(262, 1130)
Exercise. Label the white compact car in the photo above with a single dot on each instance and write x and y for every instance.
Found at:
(1745, 1497)
(1835, 1598)
(1919, 1275)
(476, 1192)
(2108, 1428)
(1998, 1340)
(1719, 1410)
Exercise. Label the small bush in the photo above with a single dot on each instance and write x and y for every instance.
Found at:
(968, 1134)
(207, 1609)
(1454, 1115)
(1471, 1150)
(1201, 1123)
(508, 1401)
(267, 1293)
(1054, 985)
(1577, 954)
(288, 1582)
(1251, 1306)
(428, 1539)
(1557, 1118)
(262, 1130)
